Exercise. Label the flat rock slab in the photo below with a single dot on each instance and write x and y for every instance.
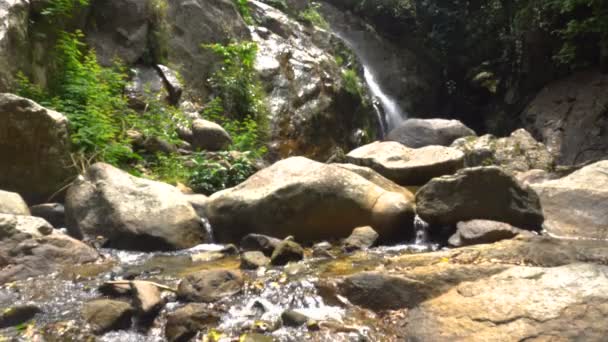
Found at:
(407, 166)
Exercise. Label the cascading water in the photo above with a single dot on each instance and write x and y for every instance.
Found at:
(392, 111)
(421, 228)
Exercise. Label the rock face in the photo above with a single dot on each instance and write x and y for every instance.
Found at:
(34, 149)
(479, 193)
(105, 315)
(30, 247)
(483, 231)
(517, 153)
(417, 133)
(123, 36)
(311, 110)
(209, 136)
(570, 117)
(193, 23)
(131, 212)
(522, 303)
(576, 206)
(407, 166)
(309, 200)
(14, 18)
(12, 203)
(210, 286)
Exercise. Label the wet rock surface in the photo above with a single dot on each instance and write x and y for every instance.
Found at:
(210, 286)
(104, 315)
(483, 231)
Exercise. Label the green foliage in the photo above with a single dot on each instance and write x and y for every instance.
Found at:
(224, 170)
(243, 8)
(240, 105)
(159, 34)
(170, 168)
(352, 82)
(311, 15)
(58, 9)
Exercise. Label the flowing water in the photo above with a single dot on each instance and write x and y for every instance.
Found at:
(303, 286)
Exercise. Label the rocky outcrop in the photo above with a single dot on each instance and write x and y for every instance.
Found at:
(571, 118)
(417, 133)
(131, 212)
(12, 203)
(14, 21)
(479, 193)
(309, 200)
(209, 136)
(407, 166)
(521, 303)
(483, 231)
(193, 23)
(30, 247)
(311, 109)
(34, 149)
(576, 206)
(518, 152)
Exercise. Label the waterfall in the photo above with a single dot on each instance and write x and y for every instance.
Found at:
(421, 228)
(208, 229)
(392, 111)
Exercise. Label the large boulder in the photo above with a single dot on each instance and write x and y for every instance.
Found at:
(523, 303)
(519, 152)
(131, 212)
(407, 166)
(193, 23)
(569, 116)
(184, 323)
(12, 203)
(30, 247)
(34, 149)
(576, 206)
(104, 315)
(417, 133)
(309, 200)
(14, 23)
(479, 193)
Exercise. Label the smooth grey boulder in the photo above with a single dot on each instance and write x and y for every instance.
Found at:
(34, 149)
(12, 203)
(407, 166)
(130, 212)
(576, 206)
(310, 201)
(209, 136)
(483, 231)
(479, 193)
(417, 133)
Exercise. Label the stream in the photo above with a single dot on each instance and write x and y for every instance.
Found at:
(302, 286)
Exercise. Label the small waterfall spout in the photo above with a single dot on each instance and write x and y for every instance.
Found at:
(422, 231)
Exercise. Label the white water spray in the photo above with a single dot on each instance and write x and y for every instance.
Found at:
(392, 111)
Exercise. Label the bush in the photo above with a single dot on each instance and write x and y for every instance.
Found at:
(243, 7)
(352, 82)
(311, 15)
(223, 171)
